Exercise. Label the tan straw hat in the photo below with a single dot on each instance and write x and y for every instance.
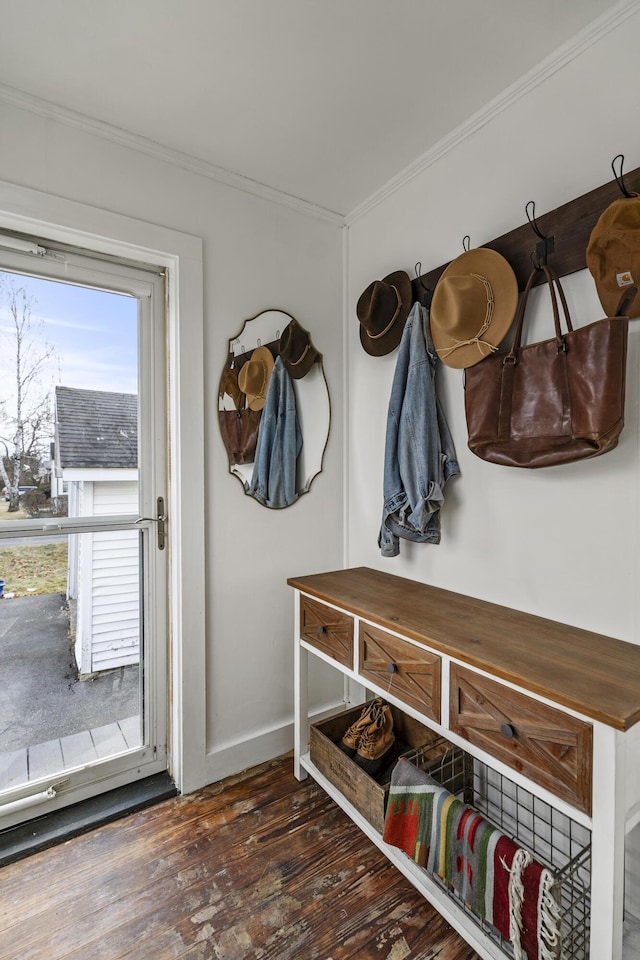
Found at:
(473, 306)
(613, 256)
(382, 310)
(254, 377)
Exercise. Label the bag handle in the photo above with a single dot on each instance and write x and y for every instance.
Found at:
(553, 282)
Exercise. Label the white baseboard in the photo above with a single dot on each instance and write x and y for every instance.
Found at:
(226, 759)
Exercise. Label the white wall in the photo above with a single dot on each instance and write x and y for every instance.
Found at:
(257, 255)
(559, 542)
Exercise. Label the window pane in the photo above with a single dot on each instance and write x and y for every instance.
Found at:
(68, 389)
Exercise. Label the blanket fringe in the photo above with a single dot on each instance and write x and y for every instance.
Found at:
(548, 919)
(520, 862)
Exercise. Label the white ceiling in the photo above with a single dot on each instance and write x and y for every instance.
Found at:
(325, 100)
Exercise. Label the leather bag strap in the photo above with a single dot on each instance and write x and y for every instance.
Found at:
(506, 400)
(511, 358)
(553, 283)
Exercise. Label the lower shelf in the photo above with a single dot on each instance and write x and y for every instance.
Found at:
(432, 892)
(552, 837)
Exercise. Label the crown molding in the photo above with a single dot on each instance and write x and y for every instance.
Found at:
(107, 131)
(582, 41)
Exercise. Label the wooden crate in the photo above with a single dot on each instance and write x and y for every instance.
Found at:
(367, 795)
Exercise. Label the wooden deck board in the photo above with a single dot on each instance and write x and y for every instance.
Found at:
(130, 728)
(45, 759)
(108, 740)
(13, 769)
(56, 756)
(78, 749)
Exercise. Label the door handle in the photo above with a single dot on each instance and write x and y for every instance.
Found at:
(160, 520)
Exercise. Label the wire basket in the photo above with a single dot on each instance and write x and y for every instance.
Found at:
(552, 837)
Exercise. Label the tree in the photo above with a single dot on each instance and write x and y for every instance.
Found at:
(25, 420)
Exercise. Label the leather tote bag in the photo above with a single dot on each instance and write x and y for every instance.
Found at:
(239, 429)
(551, 402)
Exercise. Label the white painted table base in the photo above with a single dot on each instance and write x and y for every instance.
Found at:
(616, 804)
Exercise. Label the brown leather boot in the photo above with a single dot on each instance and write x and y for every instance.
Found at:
(351, 739)
(376, 742)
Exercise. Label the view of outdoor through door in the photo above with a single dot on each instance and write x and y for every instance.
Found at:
(83, 640)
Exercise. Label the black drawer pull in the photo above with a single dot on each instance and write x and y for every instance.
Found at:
(392, 668)
(321, 629)
(508, 731)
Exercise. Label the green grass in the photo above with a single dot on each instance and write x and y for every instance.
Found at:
(34, 569)
(5, 515)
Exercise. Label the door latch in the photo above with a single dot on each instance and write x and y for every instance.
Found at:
(162, 519)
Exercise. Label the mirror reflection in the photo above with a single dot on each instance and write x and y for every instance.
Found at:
(273, 408)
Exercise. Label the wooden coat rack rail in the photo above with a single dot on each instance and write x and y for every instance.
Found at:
(570, 227)
(239, 359)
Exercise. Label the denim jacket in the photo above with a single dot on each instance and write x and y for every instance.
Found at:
(419, 452)
(273, 481)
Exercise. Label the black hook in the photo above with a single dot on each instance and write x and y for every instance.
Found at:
(466, 243)
(532, 219)
(425, 293)
(619, 177)
(545, 245)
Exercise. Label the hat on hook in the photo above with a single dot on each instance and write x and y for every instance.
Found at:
(254, 377)
(297, 352)
(382, 310)
(613, 256)
(473, 306)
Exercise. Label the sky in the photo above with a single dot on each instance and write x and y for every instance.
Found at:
(93, 333)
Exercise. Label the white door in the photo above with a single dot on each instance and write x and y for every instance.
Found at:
(83, 558)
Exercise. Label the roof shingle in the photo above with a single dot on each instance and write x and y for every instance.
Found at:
(96, 429)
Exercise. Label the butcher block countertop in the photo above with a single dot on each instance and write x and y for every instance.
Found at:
(595, 675)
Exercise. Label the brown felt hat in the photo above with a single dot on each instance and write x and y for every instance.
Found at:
(613, 255)
(297, 352)
(254, 377)
(473, 306)
(382, 310)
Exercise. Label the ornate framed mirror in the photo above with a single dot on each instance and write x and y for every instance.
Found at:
(274, 408)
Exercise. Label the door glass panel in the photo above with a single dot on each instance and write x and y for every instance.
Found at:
(82, 685)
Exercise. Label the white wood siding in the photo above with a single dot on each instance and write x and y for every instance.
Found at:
(115, 496)
(115, 608)
(105, 571)
(115, 580)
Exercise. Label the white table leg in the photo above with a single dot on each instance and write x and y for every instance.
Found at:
(301, 697)
(607, 844)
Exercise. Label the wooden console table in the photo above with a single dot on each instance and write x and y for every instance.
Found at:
(551, 707)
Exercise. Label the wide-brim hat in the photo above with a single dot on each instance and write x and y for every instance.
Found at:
(382, 310)
(254, 377)
(473, 306)
(613, 255)
(297, 352)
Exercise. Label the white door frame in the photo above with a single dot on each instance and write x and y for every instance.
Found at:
(42, 215)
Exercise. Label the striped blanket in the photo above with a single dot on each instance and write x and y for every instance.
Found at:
(497, 879)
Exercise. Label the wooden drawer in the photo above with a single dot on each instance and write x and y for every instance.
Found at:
(542, 743)
(328, 630)
(408, 672)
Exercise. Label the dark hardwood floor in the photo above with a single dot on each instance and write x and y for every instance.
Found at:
(258, 866)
